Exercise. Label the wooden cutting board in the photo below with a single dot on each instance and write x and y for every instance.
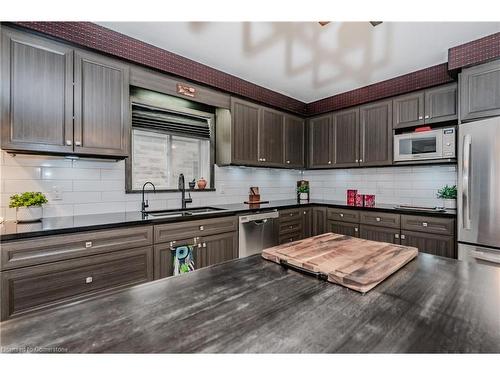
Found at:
(352, 262)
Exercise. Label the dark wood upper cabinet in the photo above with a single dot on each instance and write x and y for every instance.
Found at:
(101, 105)
(346, 137)
(321, 142)
(294, 142)
(480, 91)
(376, 133)
(441, 104)
(245, 132)
(37, 94)
(271, 137)
(408, 110)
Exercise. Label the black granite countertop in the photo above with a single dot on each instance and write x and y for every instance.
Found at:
(70, 224)
(432, 304)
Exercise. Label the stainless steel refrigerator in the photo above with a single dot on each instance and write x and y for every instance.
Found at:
(479, 191)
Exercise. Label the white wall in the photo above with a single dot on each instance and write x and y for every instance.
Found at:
(416, 185)
(88, 187)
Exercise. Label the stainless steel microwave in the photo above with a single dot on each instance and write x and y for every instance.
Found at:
(432, 144)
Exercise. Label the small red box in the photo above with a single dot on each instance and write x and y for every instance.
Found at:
(351, 197)
(360, 200)
(369, 200)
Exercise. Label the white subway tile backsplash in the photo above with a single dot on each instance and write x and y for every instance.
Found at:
(95, 186)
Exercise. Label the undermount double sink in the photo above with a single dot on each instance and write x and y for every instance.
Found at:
(184, 212)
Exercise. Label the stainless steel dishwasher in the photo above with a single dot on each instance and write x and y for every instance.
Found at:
(257, 232)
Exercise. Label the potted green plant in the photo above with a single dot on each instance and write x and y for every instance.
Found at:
(449, 196)
(303, 192)
(28, 205)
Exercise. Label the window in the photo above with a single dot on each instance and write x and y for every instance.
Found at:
(166, 143)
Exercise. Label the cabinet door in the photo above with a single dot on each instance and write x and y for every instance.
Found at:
(380, 234)
(307, 222)
(321, 142)
(340, 227)
(480, 91)
(376, 134)
(271, 138)
(430, 243)
(346, 136)
(216, 249)
(37, 94)
(319, 221)
(294, 142)
(408, 110)
(102, 123)
(245, 132)
(441, 104)
(163, 258)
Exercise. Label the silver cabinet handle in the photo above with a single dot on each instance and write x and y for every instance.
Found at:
(68, 142)
(88, 280)
(78, 143)
(466, 181)
(356, 229)
(290, 226)
(360, 160)
(204, 244)
(305, 212)
(172, 243)
(420, 117)
(341, 215)
(288, 161)
(357, 160)
(396, 235)
(424, 224)
(377, 219)
(427, 116)
(329, 162)
(88, 244)
(202, 227)
(403, 237)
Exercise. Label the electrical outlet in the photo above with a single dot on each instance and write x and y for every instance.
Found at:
(56, 193)
(221, 189)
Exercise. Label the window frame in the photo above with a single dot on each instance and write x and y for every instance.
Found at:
(180, 110)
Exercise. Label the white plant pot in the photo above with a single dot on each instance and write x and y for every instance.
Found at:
(450, 203)
(304, 196)
(28, 214)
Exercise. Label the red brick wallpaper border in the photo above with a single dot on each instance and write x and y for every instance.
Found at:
(475, 52)
(420, 79)
(99, 38)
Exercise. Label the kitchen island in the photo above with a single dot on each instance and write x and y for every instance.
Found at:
(432, 305)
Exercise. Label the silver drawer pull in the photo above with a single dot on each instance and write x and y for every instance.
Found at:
(68, 143)
(403, 237)
(78, 143)
(201, 227)
(204, 244)
(88, 244)
(377, 218)
(305, 212)
(288, 161)
(199, 245)
(341, 215)
(356, 229)
(172, 243)
(88, 280)
(291, 226)
(396, 235)
(424, 224)
(420, 117)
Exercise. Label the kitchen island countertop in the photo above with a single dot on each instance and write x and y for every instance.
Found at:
(433, 304)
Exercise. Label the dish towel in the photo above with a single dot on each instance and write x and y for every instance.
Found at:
(183, 259)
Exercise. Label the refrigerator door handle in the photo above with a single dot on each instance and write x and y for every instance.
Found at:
(466, 180)
(492, 258)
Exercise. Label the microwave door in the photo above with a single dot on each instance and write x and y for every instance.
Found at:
(422, 146)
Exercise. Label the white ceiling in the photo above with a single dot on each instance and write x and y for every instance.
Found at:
(304, 60)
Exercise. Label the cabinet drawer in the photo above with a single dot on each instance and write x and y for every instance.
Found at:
(291, 214)
(434, 244)
(195, 228)
(63, 247)
(338, 214)
(290, 237)
(428, 224)
(381, 219)
(379, 234)
(32, 288)
(290, 227)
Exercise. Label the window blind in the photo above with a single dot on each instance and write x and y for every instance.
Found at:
(170, 122)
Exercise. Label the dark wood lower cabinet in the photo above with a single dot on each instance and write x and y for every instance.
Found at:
(217, 249)
(307, 222)
(340, 227)
(319, 220)
(430, 243)
(207, 251)
(381, 234)
(33, 288)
